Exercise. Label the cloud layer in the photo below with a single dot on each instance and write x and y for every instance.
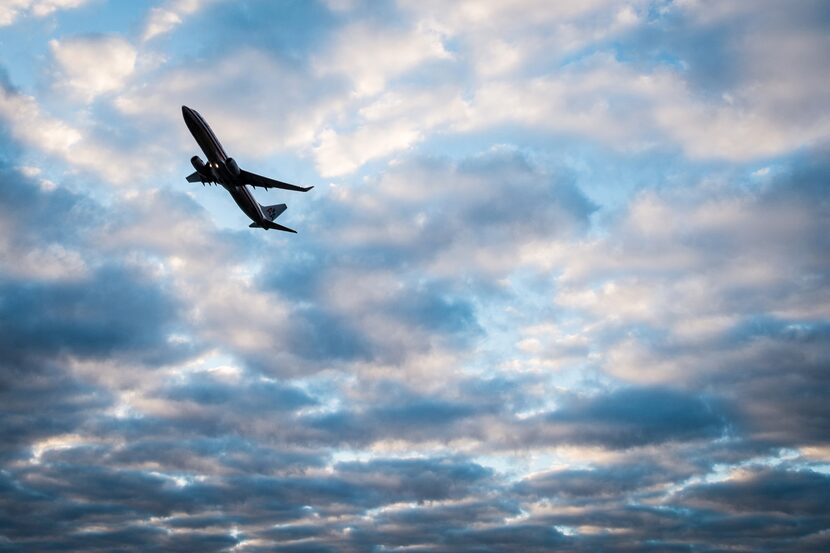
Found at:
(562, 282)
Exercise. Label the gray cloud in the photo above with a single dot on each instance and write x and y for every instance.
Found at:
(799, 493)
(631, 417)
(40, 402)
(115, 311)
(392, 267)
(609, 481)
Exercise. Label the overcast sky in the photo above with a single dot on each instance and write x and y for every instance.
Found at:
(562, 282)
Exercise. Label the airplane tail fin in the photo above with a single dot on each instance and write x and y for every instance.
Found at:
(271, 225)
(273, 211)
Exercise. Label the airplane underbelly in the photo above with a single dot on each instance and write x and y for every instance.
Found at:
(210, 147)
(245, 202)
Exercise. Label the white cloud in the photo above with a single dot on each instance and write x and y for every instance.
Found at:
(29, 124)
(52, 262)
(626, 107)
(498, 37)
(461, 15)
(607, 100)
(370, 56)
(600, 99)
(254, 124)
(10, 10)
(681, 271)
(393, 122)
(164, 19)
(515, 51)
(341, 5)
(93, 65)
(777, 87)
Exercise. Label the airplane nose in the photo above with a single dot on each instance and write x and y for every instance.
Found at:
(189, 115)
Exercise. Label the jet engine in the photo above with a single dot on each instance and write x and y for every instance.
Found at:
(230, 163)
(199, 165)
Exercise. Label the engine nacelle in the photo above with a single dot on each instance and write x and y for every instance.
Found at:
(230, 163)
(199, 165)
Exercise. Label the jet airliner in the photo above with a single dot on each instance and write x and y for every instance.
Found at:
(223, 170)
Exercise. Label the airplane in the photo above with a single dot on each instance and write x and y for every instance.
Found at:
(223, 170)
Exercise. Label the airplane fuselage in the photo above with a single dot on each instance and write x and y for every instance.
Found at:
(216, 169)
(204, 136)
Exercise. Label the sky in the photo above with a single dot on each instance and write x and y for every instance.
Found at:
(561, 285)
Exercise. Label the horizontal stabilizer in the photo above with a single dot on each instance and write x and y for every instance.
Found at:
(195, 177)
(273, 211)
(271, 225)
(264, 182)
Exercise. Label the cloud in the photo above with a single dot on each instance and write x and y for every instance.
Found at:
(257, 126)
(391, 123)
(32, 126)
(593, 91)
(419, 419)
(369, 56)
(503, 38)
(606, 481)
(89, 66)
(50, 134)
(467, 211)
(114, 310)
(605, 99)
(771, 85)
(631, 417)
(383, 281)
(162, 20)
(597, 95)
(789, 492)
(542, 318)
(46, 255)
(98, 308)
(39, 8)
(599, 99)
(42, 402)
(674, 293)
(79, 308)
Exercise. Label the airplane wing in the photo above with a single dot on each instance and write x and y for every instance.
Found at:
(194, 177)
(264, 182)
